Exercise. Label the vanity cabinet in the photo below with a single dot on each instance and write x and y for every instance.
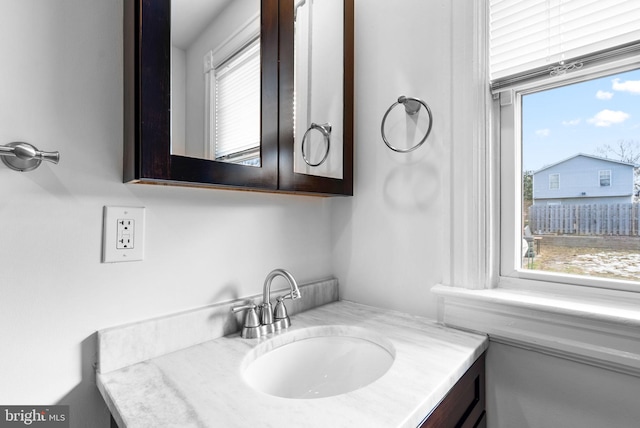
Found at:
(464, 405)
(152, 384)
(173, 129)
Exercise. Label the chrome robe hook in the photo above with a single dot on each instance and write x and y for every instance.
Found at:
(21, 156)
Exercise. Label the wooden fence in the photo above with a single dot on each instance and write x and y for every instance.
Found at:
(586, 219)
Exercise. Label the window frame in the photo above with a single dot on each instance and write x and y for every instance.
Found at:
(506, 113)
(556, 182)
(582, 322)
(609, 178)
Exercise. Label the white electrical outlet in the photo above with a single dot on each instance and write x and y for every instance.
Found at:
(122, 234)
(125, 233)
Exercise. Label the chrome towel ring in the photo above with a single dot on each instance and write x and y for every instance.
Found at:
(411, 106)
(325, 129)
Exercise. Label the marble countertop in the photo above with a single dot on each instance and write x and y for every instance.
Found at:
(202, 385)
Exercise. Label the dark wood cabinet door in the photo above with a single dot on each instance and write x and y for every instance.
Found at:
(288, 179)
(147, 60)
(464, 405)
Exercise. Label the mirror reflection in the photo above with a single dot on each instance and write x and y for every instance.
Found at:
(318, 85)
(215, 80)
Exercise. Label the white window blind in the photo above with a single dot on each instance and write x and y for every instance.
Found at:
(237, 103)
(527, 35)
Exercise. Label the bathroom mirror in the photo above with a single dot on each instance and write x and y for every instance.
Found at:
(318, 87)
(215, 80)
(186, 80)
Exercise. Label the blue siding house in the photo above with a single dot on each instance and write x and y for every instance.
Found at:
(584, 179)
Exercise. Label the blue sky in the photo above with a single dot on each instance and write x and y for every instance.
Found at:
(579, 118)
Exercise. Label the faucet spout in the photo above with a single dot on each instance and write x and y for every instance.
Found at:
(267, 312)
(266, 290)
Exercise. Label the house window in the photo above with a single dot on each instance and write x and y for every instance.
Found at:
(564, 96)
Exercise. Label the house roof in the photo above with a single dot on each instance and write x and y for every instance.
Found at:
(587, 156)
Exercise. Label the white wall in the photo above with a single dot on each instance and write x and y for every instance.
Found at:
(388, 239)
(409, 224)
(527, 389)
(61, 89)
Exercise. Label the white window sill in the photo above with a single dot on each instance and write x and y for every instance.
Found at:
(592, 326)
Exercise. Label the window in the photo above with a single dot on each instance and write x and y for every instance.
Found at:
(237, 107)
(565, 75)
(233, 97)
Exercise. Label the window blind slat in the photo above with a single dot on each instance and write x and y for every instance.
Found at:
(509, 10)
(527, 35)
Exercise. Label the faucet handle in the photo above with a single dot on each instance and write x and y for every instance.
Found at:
(280, 316)
(251, 328)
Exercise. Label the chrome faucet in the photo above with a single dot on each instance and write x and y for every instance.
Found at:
(269, 320)
(278, 319)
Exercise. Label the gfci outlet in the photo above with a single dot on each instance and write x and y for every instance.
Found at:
(122, 234)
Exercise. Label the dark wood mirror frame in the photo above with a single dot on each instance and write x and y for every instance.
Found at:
(289, 180)
(147, 77)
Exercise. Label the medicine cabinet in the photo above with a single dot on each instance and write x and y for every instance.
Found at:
(246, 94)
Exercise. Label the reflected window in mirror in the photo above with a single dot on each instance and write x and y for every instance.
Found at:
(233, 101)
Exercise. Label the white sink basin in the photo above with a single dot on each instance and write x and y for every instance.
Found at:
(318, 362)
